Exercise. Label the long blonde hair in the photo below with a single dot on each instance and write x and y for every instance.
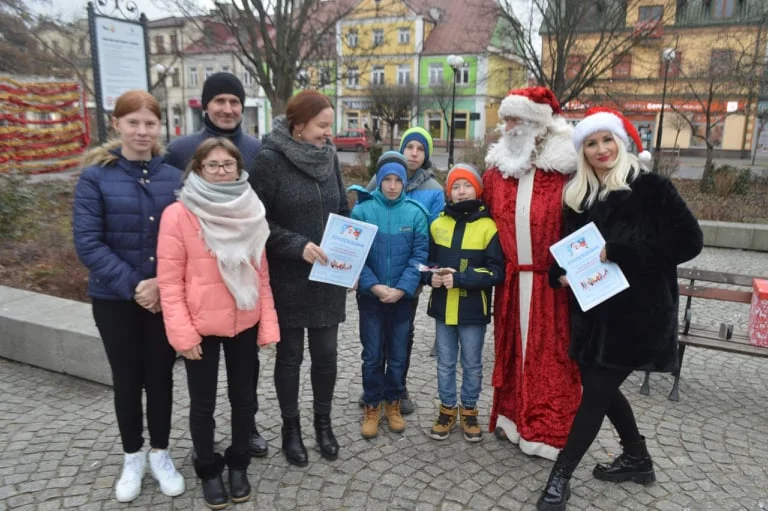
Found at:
(584, 189)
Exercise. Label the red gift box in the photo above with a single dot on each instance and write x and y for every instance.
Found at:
(758, 313)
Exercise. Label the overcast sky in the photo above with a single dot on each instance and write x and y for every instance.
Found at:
(71, 9)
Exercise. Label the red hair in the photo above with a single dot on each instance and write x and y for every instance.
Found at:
(304, 106)
(135, 100)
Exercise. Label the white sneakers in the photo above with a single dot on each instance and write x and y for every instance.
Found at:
(161, 465)
(128, 487)
(164, 471)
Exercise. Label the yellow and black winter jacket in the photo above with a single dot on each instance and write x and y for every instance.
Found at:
(464, 238)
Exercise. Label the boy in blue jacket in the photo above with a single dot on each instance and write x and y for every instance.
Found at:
(386, 289)
(466, 254)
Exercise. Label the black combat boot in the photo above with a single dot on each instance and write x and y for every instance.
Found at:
(558, 489)
(214, 491)
(293, 447)
(326, 441)
(634, 464)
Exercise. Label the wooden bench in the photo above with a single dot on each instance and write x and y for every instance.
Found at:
(722, 338)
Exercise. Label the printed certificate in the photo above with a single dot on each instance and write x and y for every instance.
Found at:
(591, 281)
(346, 242)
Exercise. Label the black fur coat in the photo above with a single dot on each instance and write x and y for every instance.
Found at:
(649, 230)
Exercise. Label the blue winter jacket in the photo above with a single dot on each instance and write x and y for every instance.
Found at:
(116, 213)
(400, 245)
(424, 189)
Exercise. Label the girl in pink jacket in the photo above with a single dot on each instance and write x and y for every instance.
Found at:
(214, 289)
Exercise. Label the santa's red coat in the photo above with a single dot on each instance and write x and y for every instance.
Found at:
(535, 384)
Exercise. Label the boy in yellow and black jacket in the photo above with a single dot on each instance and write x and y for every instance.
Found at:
(466, 261)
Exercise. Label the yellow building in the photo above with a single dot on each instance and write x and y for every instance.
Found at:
(713, 49)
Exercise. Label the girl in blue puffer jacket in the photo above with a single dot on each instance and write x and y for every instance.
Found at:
(121, 194)
(386, 289)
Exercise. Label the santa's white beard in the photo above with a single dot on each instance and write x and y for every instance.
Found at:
(513, 153)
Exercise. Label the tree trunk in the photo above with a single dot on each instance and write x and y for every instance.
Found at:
(278, 105)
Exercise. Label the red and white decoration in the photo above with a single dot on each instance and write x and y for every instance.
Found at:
(758, 314)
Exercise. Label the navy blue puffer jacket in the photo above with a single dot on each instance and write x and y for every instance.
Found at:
(116, 213)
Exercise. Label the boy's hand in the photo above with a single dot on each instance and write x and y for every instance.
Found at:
(314, 254)
(380, 290)
(448, 280)
(437, 280)
(393, 296)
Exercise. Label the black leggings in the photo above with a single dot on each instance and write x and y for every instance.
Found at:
(141, 360)
(601, 396)
(290, 354)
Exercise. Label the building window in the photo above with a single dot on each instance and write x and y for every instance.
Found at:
(573, 66)
(325, 76)
(650, 13)
(353, 119)
(674, 66)
(208, 72)
(435, 75)
(352, 39)
(378, 37)
(623, 68)
(377, 75)
(192, 82)
(175, 81)
(159, 44)
(721, 63)
(404, 75)
(462, 75)
(404, 35)
(174, 43)
(353, 77)
(722, 9)
(435, 125)
(225, 69)
(247, 78)
(460, 133)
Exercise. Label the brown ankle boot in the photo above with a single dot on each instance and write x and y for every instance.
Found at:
(394, 418)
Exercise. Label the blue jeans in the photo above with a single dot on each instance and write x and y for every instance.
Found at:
(383, 329)
(471, 338)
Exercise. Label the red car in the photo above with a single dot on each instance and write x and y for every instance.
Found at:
(352, 139)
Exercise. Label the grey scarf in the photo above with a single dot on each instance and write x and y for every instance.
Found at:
(234, 228)
(317, 162)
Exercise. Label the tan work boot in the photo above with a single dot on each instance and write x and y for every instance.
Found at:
(470, 426)
(394, 418)
(445, 422)
(371, 418)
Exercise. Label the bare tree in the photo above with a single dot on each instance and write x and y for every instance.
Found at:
(20, 51)
(392, 103)
(581, 39)
(762, 119)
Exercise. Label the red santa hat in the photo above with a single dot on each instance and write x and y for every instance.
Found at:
(537, 104)
(599, 118)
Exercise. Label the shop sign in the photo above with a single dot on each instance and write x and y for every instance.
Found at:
(357, 104)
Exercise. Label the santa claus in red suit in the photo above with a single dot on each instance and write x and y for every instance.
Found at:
(536, 387)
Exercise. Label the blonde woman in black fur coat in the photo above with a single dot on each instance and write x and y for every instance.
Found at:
(649, 230)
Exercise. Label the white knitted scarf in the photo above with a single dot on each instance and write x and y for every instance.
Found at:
(234, 228)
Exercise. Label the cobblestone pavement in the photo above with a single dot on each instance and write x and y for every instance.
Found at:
(59, 444)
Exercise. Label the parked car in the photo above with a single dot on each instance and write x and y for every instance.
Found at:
(352, 139)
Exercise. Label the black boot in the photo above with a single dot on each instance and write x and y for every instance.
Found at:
(634, 464)
(293, 447)
(329, 447)
(214, 492)
(239, 486)
(257, 444)
(558, 489)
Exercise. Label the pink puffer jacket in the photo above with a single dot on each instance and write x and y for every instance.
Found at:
(195, 300)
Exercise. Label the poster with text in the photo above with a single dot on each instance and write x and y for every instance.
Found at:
(122, 58)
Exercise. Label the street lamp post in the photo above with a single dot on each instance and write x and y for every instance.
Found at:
(455, 62)
(164, 72)
(667, 56)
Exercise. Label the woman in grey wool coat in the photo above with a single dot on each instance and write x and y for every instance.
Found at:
(297, 177)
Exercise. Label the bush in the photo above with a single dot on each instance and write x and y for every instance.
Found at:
(373, 154)
(668, 164)
(726, 180)
(16, 200)
(475, 152)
